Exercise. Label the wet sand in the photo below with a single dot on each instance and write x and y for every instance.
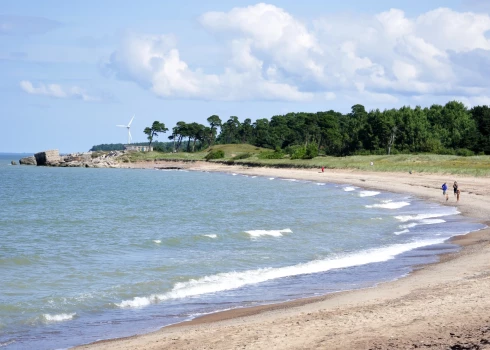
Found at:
(439, 306)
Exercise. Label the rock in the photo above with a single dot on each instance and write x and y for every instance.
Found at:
(13, 162)
(28, 161)
(49, 158)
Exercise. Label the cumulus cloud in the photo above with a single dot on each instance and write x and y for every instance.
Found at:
(57, 91)
(154, 62)
(274, 56)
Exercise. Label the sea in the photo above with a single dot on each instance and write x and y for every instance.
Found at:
(93, 254)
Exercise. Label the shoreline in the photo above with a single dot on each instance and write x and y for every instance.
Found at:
(396, 314)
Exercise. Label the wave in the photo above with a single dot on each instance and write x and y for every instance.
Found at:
(405, 218)
(401, 232)
(157, 241)
(271, 178)
(423, 222)
(233, 280)
(368, 193)
(274, 233)
(413, 224)
(349, 188)
(58, 317)
(389, 205)
(211, 236)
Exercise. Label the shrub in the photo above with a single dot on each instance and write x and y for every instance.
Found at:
(464, 152)
(299, 153)
(311, 151)
(242, 156)
(215, 155)
(277, 154)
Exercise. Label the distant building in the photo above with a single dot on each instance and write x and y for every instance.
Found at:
(138, 148)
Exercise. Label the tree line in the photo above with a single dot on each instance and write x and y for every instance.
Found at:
(448, 129)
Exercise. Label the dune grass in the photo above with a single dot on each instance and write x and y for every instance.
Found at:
(427, 163)
(420, 163)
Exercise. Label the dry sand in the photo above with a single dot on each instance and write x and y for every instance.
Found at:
(440, 306)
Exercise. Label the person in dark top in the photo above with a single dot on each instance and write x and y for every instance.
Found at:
(444, 190)
(455, 187)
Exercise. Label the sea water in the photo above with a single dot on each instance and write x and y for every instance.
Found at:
(91, 254)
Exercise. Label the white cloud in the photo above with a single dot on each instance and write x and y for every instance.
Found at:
(273, 55)
(55, 90)
(154, 61)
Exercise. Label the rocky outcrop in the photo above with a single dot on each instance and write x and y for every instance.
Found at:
(13, 162)
(50, 158)
(28, 161)
(91, 160)
(83, 160)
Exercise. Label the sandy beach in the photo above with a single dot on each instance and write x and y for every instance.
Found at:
(438, 306)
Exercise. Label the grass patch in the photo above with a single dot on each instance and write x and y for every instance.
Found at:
(420, 163)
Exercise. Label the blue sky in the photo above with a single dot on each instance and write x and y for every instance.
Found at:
(72, 70)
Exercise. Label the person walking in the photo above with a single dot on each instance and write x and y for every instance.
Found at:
(455, 188)
(457, 195)
(444, 191)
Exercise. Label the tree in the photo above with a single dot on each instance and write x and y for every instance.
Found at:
(178, 133)
(214, 121)
(481, 116)
(153, 131)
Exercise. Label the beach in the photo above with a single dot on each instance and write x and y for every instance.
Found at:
(442, 305)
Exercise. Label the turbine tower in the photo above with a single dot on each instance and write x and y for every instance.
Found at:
(128, 127)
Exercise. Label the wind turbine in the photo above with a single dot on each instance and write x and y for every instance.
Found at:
(128, 127)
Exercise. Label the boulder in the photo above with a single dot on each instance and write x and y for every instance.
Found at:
(28, 161)
(51, 157)
(13, 162)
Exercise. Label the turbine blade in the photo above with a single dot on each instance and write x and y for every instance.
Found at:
(129, 133)
(131, 121)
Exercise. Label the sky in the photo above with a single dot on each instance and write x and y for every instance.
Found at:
(73, 70)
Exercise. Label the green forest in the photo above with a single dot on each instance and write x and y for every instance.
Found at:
(450, 129)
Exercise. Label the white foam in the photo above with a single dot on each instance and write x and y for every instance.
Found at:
(271, 178)
(349, 189)
(368, 193)
(234, 174)
(320, 184)
(233, 280)
(405, 218)
(211, 236)
(401, 232)
(413, 224)
(389, 205)
(59, 317)
(274, 233)
(432, 221)
(157, 241)
(423, 222)
(253, 177)
(292, 180)
(376, 218)
(136, 302)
